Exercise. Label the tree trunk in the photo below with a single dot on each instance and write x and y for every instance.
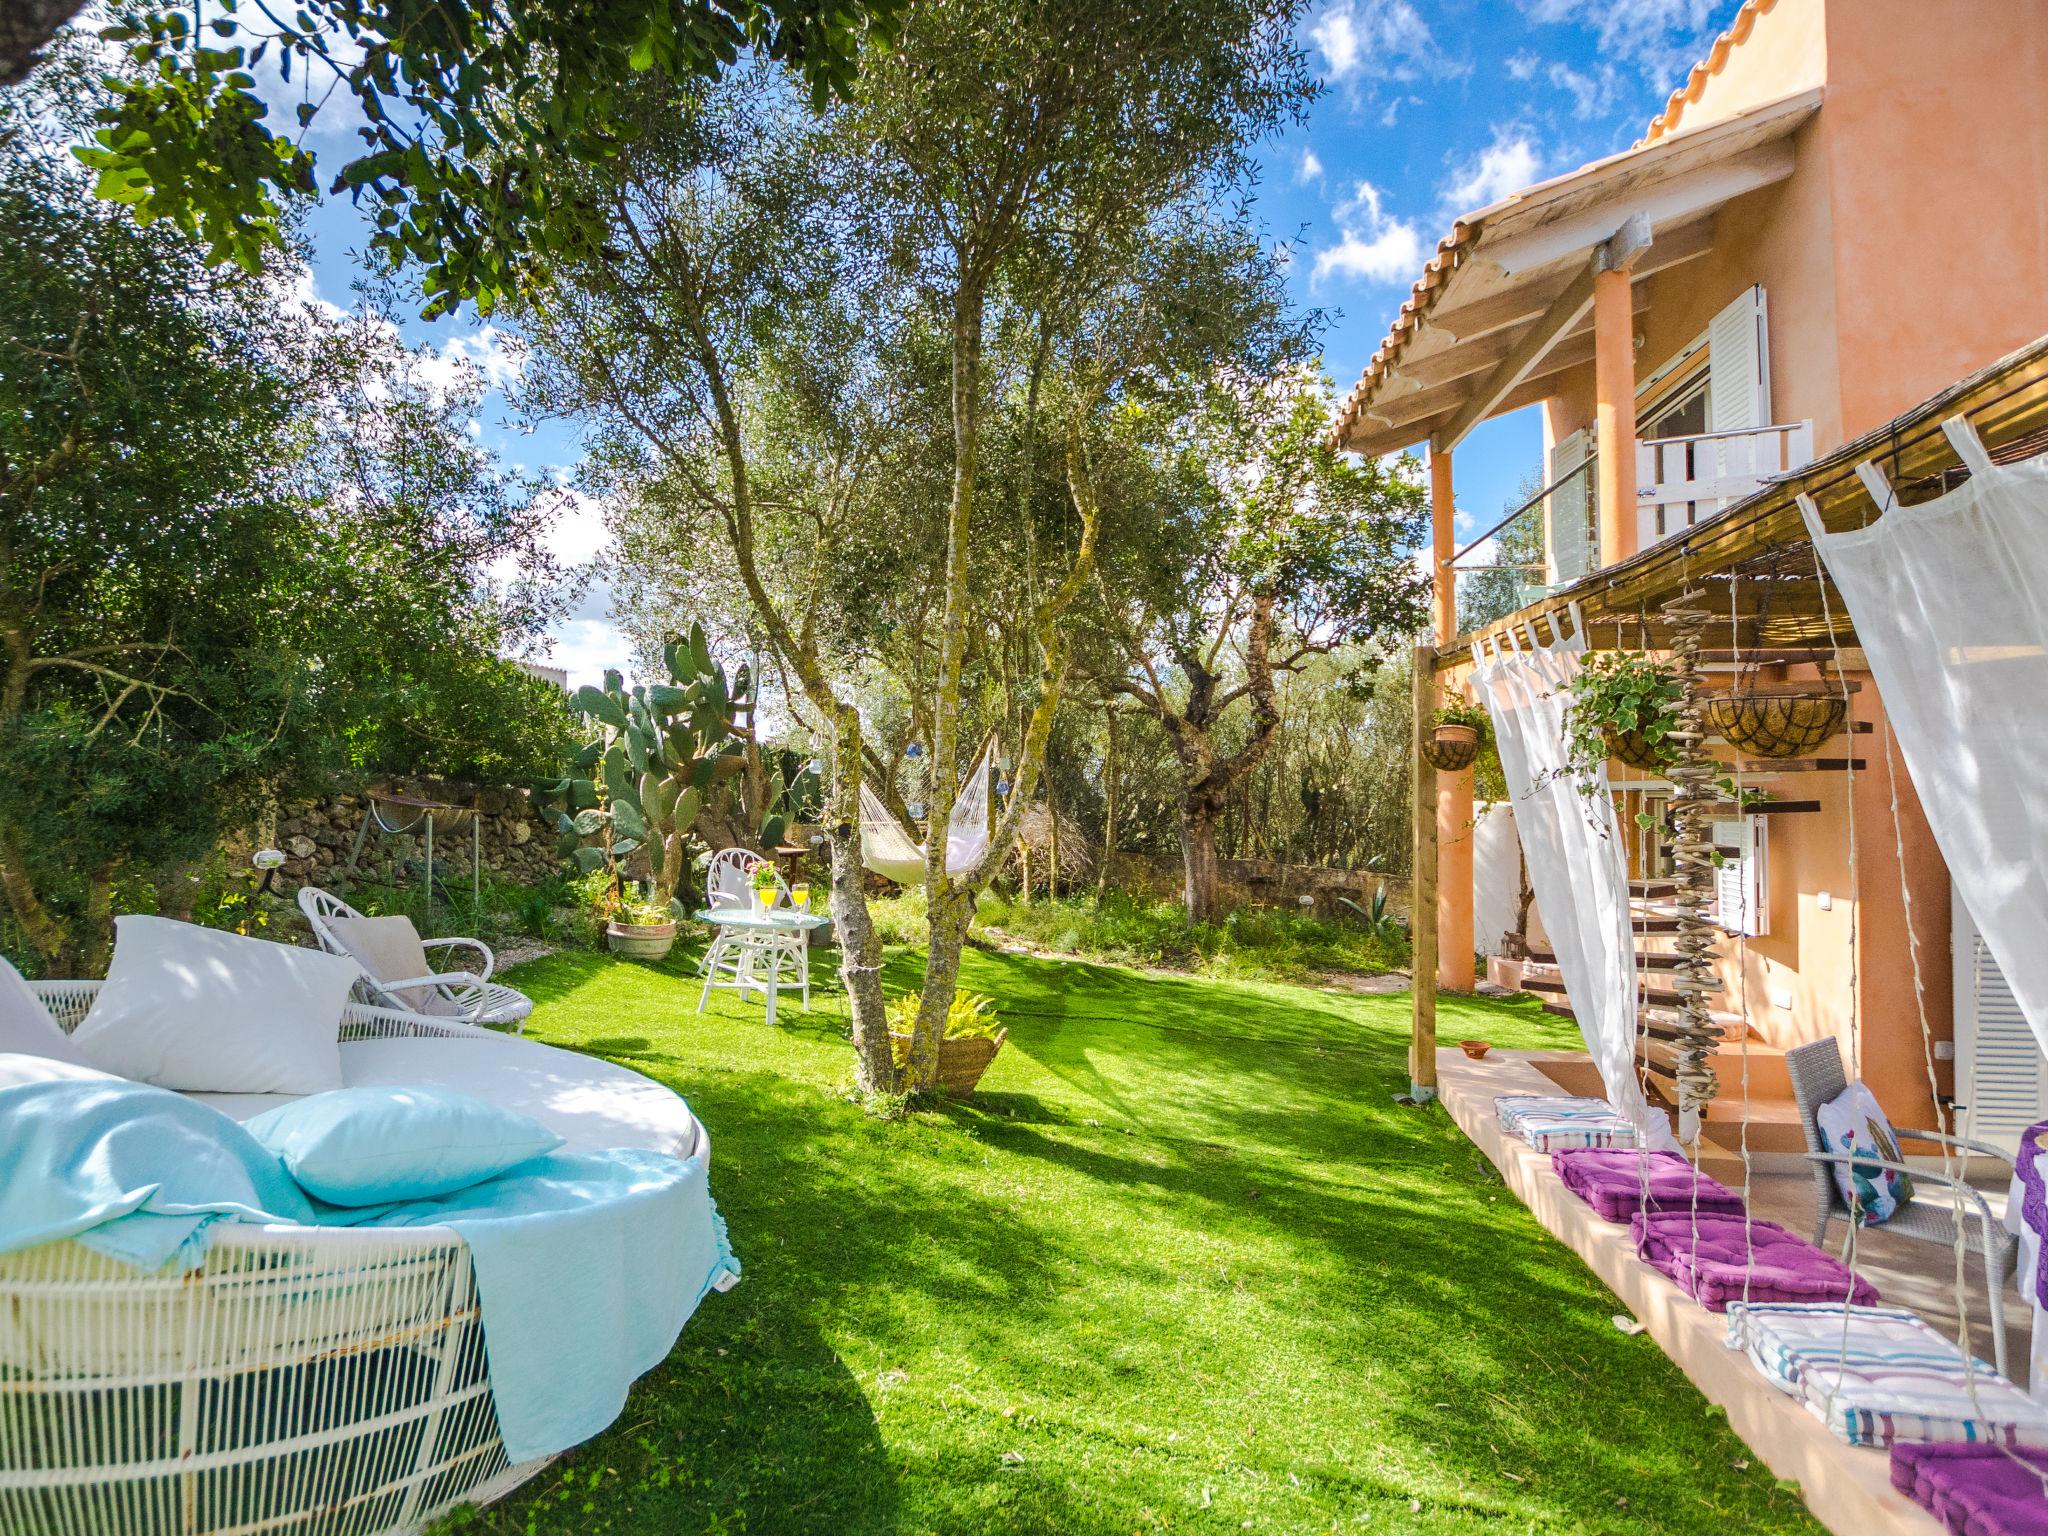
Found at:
(1199, 813)
(1109, 766)
(39, 926)
(860, 953)
(26, 29)
(95, 938)
(1052, 848)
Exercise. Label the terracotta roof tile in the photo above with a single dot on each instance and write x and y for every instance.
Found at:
(1696, 82)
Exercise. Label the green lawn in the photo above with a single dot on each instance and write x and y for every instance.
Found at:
(1183, 1266)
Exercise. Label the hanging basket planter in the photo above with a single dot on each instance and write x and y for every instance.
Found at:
(1451, 748)
(1637, 750)
(962, 1059)
(1778, 724)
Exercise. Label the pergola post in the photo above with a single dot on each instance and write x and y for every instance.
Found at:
(1614, 409)
(1423, 889)
(1454, 970)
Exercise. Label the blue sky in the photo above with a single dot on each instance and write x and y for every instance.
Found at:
(1431, 108)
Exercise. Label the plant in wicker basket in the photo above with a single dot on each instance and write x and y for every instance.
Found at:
(970, 1043)
(1622, 705)
(1456, 733)
(1790, 723)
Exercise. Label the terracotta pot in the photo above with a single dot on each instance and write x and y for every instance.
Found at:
(641, 941)
(1451, 748)
(1476, 1049)
(962, 1060)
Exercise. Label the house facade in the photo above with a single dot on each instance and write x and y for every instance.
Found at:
(1840, 212)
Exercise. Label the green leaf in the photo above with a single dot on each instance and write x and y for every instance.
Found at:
(625, 846)
(589, 860)
(589, 822)
(627, 818)
(772, 830)
(604, 706)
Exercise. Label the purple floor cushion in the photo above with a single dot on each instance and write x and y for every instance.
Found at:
(1976, 1490)
(1612, 1182)
(1765, 1263)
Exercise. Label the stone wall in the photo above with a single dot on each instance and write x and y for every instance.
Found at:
(315, 837)
(1260, 883)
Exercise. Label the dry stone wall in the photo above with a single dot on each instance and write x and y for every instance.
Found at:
(315, 836)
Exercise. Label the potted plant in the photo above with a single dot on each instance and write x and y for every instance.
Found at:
(1456, 732)
(1622, 705)
(970, 1043)
(639, 930)
(767, 885)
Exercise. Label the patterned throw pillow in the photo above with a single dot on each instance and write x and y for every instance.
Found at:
(1852, 1122)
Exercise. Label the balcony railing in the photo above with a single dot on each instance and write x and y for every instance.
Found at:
(1680, 480)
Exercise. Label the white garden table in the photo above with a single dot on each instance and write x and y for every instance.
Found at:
(753, 950)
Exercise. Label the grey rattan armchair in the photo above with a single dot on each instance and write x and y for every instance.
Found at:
(1817, 1076)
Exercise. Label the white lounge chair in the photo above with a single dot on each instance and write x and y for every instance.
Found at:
(304, 1379)
(397, 973)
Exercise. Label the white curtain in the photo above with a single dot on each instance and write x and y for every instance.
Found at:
(888, 851)
(1950, 603)
(1577, 862)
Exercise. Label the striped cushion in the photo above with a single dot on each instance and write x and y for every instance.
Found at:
(1876, 1375)
(1552, 1123)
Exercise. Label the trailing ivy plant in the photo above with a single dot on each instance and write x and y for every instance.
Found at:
(1619, 693)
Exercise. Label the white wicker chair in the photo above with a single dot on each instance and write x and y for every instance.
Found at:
(303, 1380)
(750, 960)
(468, 995)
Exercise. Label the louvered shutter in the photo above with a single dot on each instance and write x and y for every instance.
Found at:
(1739, 366)
(2001, 1075)
(1741, 895)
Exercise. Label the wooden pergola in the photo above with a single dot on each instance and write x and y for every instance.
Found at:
(1757, 565)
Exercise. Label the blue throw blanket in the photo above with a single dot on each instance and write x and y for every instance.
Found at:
(133, 1172)
(587, 1264)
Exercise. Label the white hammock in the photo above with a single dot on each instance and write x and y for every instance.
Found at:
(888, 851)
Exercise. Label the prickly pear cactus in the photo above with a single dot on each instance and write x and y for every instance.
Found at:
(661, 752)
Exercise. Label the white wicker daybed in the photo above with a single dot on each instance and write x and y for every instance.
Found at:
(303, 1380)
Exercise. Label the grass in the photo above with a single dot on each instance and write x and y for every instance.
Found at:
(1184, 1266)
(1249, 944)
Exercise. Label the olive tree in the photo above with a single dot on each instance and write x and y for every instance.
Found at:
(1268, 547)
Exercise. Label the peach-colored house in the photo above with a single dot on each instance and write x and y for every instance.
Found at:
(1843, 211)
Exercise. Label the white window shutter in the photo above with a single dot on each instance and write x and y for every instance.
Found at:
(1569, 534)
(1741, 892)
(2001, 1076)
(1739, 366)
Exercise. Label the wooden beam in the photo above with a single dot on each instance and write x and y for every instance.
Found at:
(1422, 959)
(1565, 311)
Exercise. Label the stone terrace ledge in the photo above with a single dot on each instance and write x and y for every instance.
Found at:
(1848, 1489)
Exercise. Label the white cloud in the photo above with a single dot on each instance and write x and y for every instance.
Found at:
(578, 533)
(1390, 36)
(585, 647)
(1523, 66)
(1310, 169)
(1662, 37)
(1591, 94)
(1506, 165)
(495, 356)
(1372, 245)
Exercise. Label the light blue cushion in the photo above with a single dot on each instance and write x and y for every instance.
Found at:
(366, 1146)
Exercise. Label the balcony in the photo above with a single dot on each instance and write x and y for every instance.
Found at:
(1680, 480)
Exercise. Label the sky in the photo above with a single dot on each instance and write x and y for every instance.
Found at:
(1429, 109)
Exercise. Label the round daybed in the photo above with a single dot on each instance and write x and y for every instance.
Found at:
(303, 1380)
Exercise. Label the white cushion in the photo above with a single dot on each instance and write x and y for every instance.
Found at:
(592, 1105)
(206, 1011)
(17, 1068)
(25, 1024)
(389, 948)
